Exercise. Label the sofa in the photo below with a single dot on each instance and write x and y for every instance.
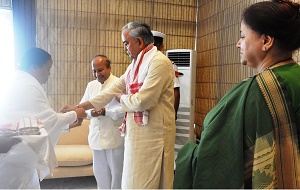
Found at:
(74, 156)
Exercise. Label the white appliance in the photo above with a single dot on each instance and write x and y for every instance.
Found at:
(185, 60)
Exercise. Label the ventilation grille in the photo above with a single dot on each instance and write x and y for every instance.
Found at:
(181, 59)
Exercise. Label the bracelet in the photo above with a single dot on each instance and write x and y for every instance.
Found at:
(77, 106)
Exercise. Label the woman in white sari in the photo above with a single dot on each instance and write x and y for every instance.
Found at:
(25, 97)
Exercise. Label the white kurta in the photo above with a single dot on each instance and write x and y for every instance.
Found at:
(104, 130)
(149, 150)
(105, 138)
(26, 98)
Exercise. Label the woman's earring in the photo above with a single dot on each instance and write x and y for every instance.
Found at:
(265, 49)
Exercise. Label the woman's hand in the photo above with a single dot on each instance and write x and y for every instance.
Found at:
(67, 108)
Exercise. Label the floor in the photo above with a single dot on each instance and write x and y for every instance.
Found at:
(70, 183)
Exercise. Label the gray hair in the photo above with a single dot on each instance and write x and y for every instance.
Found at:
(140, 29)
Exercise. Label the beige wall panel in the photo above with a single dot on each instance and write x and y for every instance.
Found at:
(218, 57)
(73, 31)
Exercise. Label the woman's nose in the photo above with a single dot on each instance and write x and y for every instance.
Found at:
(238, 44)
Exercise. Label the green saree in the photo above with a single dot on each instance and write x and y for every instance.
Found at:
(249, 138)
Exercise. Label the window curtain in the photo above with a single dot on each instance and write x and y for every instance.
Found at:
(24, 26)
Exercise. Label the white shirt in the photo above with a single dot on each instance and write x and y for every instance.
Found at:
(104, 130)
(25, 97)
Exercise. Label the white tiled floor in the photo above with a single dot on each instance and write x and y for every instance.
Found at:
(70, 183)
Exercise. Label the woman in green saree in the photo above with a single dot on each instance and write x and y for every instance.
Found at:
(250, 138)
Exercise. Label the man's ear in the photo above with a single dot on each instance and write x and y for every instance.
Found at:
(141, 42)
(161, 46)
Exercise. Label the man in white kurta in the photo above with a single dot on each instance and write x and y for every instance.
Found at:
(104, 136)
(149, 147)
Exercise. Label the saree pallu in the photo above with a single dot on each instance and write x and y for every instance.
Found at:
(249, 140)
